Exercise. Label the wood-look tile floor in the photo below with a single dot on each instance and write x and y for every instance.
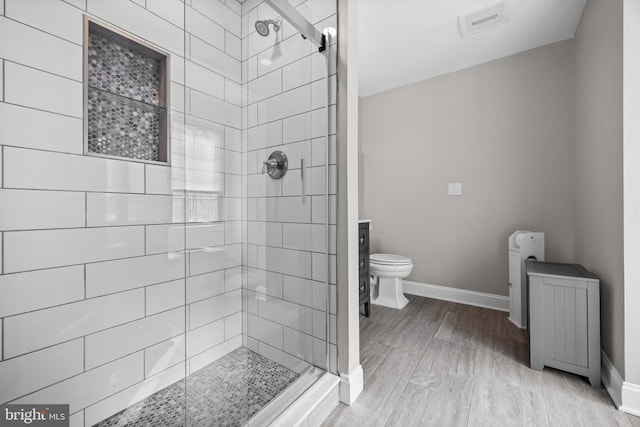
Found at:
(436, 363)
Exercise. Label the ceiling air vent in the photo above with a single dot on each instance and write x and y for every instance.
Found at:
(486, 17)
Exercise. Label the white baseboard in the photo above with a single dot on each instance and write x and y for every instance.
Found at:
(351, 385)
(611, 379)
(630, 399)
(462, 296)
(625, 395)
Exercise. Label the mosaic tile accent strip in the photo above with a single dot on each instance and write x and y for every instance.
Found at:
(123, 71)
(118, 127)
(227, 392)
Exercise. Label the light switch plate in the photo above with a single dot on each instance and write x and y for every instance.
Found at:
(455, 189)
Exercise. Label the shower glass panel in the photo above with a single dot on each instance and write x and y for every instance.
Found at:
(267, 338)
(192, 291)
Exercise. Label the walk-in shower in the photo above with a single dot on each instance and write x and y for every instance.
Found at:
(150, 274)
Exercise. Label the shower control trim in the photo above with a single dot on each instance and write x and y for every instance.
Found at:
(276, 165)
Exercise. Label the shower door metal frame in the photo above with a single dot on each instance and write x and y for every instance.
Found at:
(295, 18)
(323, 41)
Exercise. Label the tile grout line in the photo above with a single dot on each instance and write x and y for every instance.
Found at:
(475, 381)
(144, 363)
(82, 373)
(103, 296)
(41, 30)
(129, 322)
(45, 71)
(473, 389)
(544, 400)
(85, 281)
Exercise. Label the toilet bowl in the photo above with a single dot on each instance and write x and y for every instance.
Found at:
(387, 272)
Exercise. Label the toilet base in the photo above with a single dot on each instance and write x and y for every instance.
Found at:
(388, 292)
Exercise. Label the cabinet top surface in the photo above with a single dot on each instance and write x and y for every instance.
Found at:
(552, 269)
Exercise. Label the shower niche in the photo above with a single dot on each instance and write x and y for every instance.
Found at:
(126, 96)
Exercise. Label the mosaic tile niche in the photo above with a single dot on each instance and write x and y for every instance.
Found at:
(125, 83)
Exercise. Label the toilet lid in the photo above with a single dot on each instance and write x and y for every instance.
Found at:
(389, 259)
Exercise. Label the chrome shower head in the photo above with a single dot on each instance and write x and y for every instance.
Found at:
(262, 26)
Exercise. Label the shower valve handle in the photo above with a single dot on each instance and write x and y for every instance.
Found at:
(268, 165)
(276, 165)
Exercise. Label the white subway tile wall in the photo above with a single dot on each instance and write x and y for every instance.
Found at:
(38, 15)
(164, 238)
(41, 90)
(132, 209)
(39, 49)
(111, 344)
(35, 290)
(22, 374)
(31, 331)
(36, 169)
(54, 132)
(202, 338)
(102, 382)
(136, 392)
(23, 209)
(201, 360)
(164, 355)
(98, 307)
(33, 250)
(118, 278)
(165, 296)
(105, 278)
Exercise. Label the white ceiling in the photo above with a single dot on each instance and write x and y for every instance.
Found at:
(405, 41)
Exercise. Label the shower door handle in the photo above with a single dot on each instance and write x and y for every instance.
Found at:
(302, 178)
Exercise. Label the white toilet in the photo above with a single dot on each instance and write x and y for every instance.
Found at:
(387, 272)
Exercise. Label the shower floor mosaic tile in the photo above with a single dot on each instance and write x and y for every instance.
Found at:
(225, 393)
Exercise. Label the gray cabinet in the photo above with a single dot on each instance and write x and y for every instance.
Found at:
(363, 267)
(564, 323)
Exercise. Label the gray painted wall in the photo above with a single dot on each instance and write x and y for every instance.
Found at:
(631, 159)
(598, 191)
(506, 130)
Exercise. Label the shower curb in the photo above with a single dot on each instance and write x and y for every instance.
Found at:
(314, 406)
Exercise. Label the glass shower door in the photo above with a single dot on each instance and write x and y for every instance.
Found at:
(289, 255)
